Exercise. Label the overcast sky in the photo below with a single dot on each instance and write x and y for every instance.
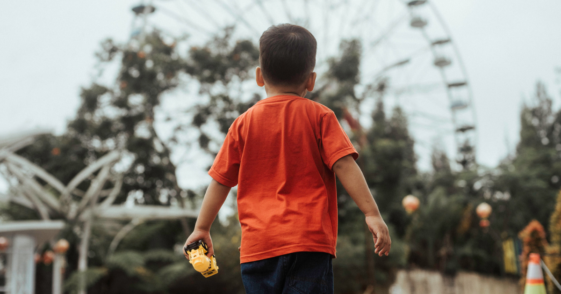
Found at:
(47, 53)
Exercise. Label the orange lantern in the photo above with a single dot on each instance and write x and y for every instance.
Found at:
(55, 151)
(48, 257)
(483, 210)
(4, 243)
(410, 203)
(61, 246)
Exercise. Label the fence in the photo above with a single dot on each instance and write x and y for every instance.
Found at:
(428, 282)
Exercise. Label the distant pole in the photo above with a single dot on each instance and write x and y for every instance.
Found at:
(60, 249)
(83, 255)
(57, 273)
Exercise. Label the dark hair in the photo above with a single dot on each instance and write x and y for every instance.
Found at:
(287, 54)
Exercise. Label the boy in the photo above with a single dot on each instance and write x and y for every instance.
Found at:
(284, 153)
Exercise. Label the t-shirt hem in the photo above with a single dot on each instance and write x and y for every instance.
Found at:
(287, 250)
(340, 154)
(221, 179)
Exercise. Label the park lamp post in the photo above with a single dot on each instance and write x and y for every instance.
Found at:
(60, 249)
(410, 203)
(483, 210)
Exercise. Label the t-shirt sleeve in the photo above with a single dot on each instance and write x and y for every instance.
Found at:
(226, 165)
(335, 143)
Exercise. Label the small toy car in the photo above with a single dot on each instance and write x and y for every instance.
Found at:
(197, 257)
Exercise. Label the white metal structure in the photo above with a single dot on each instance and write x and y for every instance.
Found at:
(24, 237)
(94, 203)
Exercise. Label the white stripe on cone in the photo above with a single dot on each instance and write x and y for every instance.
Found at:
(534, 272)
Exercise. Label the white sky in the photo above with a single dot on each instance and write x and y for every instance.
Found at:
(47, 53)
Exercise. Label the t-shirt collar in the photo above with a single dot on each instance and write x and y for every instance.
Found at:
(280, 98)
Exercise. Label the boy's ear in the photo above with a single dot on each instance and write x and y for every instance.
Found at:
(311, 83)
(259, 77)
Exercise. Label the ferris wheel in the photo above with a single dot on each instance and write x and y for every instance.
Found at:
(405, 43)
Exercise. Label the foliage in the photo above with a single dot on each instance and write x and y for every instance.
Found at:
(222, 69)
(533, 241)
(152, 271)
(90, 277)
(531, 177)
(553, 259)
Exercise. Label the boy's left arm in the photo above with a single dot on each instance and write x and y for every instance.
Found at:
(214, 198)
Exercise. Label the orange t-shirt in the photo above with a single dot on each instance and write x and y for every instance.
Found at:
(280, 153)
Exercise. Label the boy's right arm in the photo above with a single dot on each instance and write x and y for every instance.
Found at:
(214, 198)
(353, 180)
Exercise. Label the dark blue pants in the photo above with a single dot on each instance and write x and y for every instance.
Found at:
(295, 273)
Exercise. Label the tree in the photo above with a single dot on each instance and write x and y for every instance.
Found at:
(531, 177)
(533, 241)
(552, 259)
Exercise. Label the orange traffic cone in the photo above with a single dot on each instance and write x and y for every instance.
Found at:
(534, 277)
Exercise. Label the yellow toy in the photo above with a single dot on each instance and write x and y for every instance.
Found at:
(197, 257)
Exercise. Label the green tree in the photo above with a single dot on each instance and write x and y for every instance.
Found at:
(531, 176)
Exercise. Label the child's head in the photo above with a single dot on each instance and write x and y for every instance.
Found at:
(287, 55)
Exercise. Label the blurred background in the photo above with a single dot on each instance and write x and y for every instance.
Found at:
(112, 112)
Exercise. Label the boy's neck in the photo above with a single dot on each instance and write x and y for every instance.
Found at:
(290, 91)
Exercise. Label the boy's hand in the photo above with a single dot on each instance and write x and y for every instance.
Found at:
(380, 233)
(200, 235)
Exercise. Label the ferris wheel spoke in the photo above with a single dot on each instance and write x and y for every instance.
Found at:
(364, 13)
(200, 10)
(412, 57)
(430, 116)
(421, 69)
(183, 20)
(360, 9)
(388, 30)
(326, 23)
(433, 127)
(402, 61)
(287, 12)
(265, 12)
(423, 88)
(343, 25)
(307, 13)
(428, 145)
(237, 16)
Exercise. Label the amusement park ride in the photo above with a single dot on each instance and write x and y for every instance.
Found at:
(95, 203)
(405, 44)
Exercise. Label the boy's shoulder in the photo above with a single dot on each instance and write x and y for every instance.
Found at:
(317, 107)
(306, 102)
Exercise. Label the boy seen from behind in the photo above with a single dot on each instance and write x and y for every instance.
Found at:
(283, 154)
